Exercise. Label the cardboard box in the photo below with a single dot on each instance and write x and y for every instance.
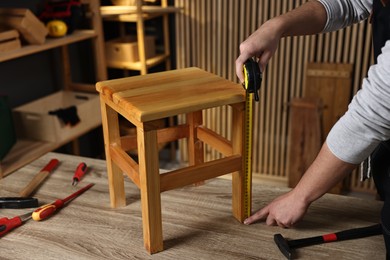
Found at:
(33, 31)
(125, 49)
(33, 121)
(9, 40)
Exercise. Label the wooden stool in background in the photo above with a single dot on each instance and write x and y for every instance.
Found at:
(143, 100)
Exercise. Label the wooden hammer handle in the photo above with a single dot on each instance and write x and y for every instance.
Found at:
(38, 179)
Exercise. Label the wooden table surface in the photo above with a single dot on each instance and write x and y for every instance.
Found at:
(197, 221)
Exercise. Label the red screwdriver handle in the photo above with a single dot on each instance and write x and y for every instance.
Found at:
(47, 210)
(7, 224)
(50, 166)
(80, 171)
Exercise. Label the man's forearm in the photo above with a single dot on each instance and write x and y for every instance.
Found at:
(324, 173)
(310, 18)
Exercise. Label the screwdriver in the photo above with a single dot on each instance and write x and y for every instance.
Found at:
(49, 209)
(79, 173)
(7, 224)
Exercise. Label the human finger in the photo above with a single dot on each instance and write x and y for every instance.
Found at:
(284, 224)
(259, 215)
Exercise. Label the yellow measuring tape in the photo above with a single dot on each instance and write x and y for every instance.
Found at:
(252, 84)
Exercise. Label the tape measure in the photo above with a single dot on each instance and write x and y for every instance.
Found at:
(252, 83)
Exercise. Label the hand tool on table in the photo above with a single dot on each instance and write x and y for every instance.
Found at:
(39, 178)
(49, 209)
(18, 202)
(286, 246)
(79, 173)
(252, 83)
(7, 224)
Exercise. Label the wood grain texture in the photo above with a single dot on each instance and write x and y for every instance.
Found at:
(197, 221)
(165, 94)
(305, 137)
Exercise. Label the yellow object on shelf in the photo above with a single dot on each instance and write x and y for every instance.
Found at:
(57, 28)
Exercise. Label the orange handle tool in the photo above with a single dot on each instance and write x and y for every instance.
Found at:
(79, 173)
(38, 179)
(49, 209)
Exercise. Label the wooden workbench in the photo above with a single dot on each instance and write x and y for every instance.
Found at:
(197, 221)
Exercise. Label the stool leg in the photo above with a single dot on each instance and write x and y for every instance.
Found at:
(111, 136)
(195, 146)
(238, 180)
(150, 188)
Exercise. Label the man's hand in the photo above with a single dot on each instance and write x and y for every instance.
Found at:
(261, 44)
(285, 211)
(310, 18)
(323, 174)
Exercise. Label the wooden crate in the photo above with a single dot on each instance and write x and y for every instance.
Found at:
(33, 121)
(304, 137)
(125, 49)
(332, 83)
(33, 31)
(9, 40)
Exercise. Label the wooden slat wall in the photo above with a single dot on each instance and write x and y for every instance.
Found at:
(208, 35)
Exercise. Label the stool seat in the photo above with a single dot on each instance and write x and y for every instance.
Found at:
(147, 100)
(159, 95)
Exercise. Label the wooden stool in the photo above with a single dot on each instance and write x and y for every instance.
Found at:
(143, 100)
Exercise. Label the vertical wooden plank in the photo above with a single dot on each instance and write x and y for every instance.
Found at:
(262, 104)
(164, 3)
(188, 34)
(208, 35)
(195, 146)
(238, 180)
(150, 188)
(326, 47)
(178, 39)
(141, 37)
(320, 46)
(202, 34)
(332, 48)
(358, 62)
(280, 154)
(214, 39)
(98, 42)
(304, 138)
(339, 46)
(111, 135)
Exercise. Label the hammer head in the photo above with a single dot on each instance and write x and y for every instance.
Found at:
(283, 245)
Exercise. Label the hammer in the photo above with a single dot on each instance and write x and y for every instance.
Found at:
(286, 246)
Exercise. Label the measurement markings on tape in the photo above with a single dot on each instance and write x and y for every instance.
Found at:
(252, 84)
(248, 154)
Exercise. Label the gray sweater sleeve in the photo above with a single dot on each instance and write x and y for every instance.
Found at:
(342, 13)
(367, 121)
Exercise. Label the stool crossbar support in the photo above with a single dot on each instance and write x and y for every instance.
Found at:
(218, 142)
(169, 134)
(194, 174)
(126, 163)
